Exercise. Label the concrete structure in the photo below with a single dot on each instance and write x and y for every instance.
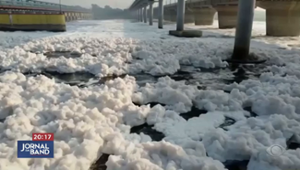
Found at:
(145, 14)
(32, 21)
(181, 14)
(160, 14)
(151, 13)
(71, 12)
(243, 30)
(204, 16)
(189, 14)
(227, 12)
(282, 16)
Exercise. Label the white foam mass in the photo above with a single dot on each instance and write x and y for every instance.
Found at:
(88, 122)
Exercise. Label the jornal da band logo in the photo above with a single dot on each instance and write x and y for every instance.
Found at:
(41, 149)
(41, 146)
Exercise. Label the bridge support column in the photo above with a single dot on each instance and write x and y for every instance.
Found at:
(180, 32)
(68, 17)
(72, 16)
(75, 16)
(282, 17)
(243, 30)
(160, 14)
(141, 14)
(145, 14)
(180, 15)
(150, 13)
(204, 16)
(227, 16)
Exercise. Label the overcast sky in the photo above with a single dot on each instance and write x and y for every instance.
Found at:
(87, 3)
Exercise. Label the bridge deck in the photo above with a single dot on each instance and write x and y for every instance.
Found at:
(39, 6)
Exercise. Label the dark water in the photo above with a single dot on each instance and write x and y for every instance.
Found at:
(99, 164)
(66, 54)
(202, 77)
(148, 130)
(228, 122)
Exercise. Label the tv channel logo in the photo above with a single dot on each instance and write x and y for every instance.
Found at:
(35, 149)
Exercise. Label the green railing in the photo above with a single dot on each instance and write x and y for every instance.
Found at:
(40, 5)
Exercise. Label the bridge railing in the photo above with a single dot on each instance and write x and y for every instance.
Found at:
(29, 4)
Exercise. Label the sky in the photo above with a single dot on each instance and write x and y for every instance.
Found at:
(87, 3)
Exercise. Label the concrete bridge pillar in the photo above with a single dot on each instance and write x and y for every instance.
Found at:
(243, 30)
(227, 16)
(71, 16)
(282, 17)
(150, 13)
(141, 14)
(145, 14)
(180, 15)
(74, 16)
(160, 14)
(68, 17)
(204, 16)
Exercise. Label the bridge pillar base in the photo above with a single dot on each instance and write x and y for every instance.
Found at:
(282, 18)
(189, 17)
(204, 16)
(227, 16)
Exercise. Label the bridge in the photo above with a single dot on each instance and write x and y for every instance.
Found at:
(71, 12)
(282, 16)
(30, 15)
